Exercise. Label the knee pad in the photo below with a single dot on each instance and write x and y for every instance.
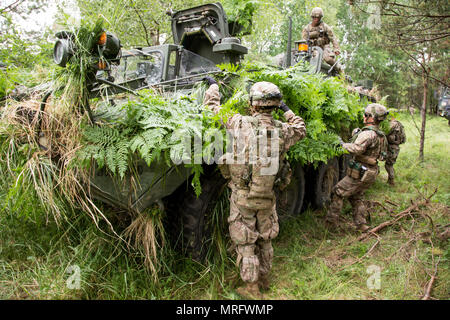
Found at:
(242, 234)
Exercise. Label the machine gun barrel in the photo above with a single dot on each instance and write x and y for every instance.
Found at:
(181, 79)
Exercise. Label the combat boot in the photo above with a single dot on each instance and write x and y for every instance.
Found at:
(391, 182)
(264, 282)
(332, 221)
(362, 227)
(250, 291)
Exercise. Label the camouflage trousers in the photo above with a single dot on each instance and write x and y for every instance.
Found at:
(252, 232)
(330, 57)
(391, 158)
(352, 189)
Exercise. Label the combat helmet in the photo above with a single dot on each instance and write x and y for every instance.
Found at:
(317, 12)
(265, 94)
(376, 111)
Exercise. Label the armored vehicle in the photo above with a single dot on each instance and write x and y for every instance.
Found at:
(203, 38)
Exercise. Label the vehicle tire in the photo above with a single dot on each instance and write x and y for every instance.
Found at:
(290, 200)
(326, 177)
(187, 213)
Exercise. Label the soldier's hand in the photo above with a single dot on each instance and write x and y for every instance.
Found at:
(337, 52)
(341, 142)
(209, 80)
(356, 131)
(284, 107)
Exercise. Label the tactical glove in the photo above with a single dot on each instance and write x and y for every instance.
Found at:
(284, 107)
(356, 131)
(209, 80)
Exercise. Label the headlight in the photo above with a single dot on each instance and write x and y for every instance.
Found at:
(62, 51)
(302, 47)
(112, 45)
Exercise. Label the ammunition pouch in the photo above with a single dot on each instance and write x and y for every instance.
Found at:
(365, 159)
(354, 173)
(369, 175)
(314, 34)
(358, 171)
(261, 196)
(321, 33)
(355, 169)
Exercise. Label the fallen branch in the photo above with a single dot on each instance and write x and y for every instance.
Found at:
(391, 202)
(376, 203)
(399, 216)
(429, 286)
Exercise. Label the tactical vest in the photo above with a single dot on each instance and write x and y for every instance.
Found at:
(382, 147)
(254, 186)
(396, 135)
(318, 35)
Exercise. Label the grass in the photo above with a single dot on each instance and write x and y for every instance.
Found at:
(310, 262)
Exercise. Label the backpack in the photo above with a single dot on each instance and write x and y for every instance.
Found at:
(397, 133)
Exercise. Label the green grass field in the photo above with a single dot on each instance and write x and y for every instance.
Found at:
(310, 262)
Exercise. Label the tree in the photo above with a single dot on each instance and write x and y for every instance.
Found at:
(20, 48)
(420, 29)
(366, 56)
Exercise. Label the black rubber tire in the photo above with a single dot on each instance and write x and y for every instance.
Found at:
(343, 165)
(290, 200)
(187, 213)
(325, 178)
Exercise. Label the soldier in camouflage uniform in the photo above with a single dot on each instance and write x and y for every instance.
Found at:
(395, 138)
(321, 35)
(253, 220)
(367, 147)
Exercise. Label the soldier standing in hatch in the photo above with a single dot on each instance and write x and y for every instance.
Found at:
(321, 35)
(253, 220)
(395, 138)
(368, 145)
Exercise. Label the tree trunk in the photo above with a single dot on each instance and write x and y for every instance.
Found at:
(423, 113)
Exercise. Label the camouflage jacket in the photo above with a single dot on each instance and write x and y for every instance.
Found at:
(256, 180)
(320, 35)
(368, 146)
(396, 135)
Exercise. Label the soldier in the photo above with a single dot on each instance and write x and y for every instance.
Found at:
(253, 220)
(395, 138)
(321, 35)
(367, 146)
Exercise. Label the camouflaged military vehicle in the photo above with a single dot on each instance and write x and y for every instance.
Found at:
(203, 38)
